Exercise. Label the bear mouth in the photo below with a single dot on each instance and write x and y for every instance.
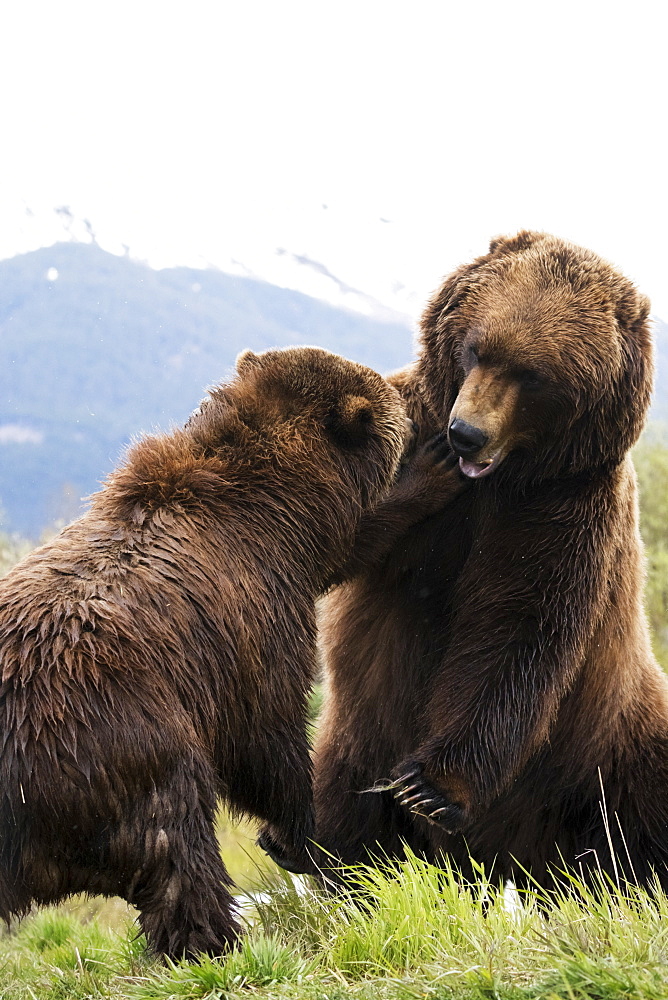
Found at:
(477, 470)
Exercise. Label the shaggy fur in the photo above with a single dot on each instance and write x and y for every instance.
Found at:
(497, 663)
(158, 652)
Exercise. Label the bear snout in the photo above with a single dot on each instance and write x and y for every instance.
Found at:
(465, 439)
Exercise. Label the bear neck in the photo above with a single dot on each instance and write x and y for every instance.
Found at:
(521, 477)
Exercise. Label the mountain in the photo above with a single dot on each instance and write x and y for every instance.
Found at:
(384, 271)
(96, 348)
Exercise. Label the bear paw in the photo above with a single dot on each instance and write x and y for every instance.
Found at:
(291, 860)
(436, 454)
(432, 473)
(412, 790)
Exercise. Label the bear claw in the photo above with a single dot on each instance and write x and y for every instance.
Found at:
(283, 858)
(422, 799)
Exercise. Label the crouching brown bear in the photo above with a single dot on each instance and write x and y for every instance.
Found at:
(496, 664)
(158, 652)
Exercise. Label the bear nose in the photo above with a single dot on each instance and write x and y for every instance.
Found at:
(465, 439)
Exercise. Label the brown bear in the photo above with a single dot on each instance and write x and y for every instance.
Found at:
(497, 664)
(158, 652)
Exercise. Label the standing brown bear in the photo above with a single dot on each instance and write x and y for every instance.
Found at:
(159, 651)
(497, 663)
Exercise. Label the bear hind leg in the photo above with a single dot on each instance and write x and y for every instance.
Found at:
(165, 856)
(184, 904)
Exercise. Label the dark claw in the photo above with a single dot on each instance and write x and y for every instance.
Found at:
(410, 804)
(439, 446)
(450, 818)
(397, 782)
(281, 856)
(406, 793)
(437, 441)
(419, 806)
(439, 451)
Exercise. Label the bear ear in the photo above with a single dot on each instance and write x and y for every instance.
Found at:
(632, 309)
(350, 421)
(247, 361)
(512, 244)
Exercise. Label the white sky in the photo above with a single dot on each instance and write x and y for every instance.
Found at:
(206, 130)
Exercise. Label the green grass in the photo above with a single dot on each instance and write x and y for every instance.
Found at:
(244, 860)
(88, 947)
(55, 954)
(416, 932)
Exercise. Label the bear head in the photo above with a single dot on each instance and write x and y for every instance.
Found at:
(538, 358)
(301, 402)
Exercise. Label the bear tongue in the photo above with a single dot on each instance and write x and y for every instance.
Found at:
(475, 470)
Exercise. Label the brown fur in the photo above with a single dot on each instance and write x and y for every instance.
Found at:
(158, 652)
(497, 663)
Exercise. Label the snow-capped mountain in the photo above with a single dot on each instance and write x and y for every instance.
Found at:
(368, 265)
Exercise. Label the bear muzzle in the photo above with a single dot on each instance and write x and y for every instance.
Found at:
(468, 443)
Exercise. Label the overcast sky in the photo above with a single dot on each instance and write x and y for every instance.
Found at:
(200, 131)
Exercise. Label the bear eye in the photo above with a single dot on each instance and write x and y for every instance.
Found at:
(531, 379)
(473, 353)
